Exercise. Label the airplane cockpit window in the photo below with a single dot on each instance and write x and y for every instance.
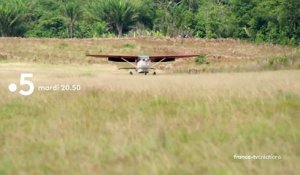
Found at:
(143, 58)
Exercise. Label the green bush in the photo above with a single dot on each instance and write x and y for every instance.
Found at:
(201, 59)
(128, 45)
(279, 61)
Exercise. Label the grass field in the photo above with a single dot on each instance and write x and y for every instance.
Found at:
(173, 123)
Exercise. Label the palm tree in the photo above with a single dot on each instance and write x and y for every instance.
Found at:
(72, 12)
(11, 15)
(119, 14)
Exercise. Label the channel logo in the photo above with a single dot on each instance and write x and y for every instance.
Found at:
(24, 82)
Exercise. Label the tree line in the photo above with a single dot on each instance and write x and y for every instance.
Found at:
(274, 21)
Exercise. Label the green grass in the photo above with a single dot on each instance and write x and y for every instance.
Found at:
(99, 131)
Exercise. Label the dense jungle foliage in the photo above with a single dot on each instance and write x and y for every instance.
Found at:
(274, 21)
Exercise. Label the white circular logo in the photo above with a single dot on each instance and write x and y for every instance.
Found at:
(12, 87)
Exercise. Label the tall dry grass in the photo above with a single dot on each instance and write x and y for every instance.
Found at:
(168, 124)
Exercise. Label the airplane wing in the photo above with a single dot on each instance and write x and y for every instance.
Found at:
(167, 58)
(132, 58)
(116, 58)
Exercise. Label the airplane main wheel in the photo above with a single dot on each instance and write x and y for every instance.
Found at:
(154, 73)
(130, 73)
(145, 73)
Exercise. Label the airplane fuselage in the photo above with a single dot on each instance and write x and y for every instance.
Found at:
(143, 64)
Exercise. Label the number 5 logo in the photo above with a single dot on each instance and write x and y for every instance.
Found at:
(24, 82)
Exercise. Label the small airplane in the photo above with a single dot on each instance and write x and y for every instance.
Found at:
(142, 64)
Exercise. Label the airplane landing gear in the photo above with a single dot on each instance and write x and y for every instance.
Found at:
(130, 73)
(154, 73)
